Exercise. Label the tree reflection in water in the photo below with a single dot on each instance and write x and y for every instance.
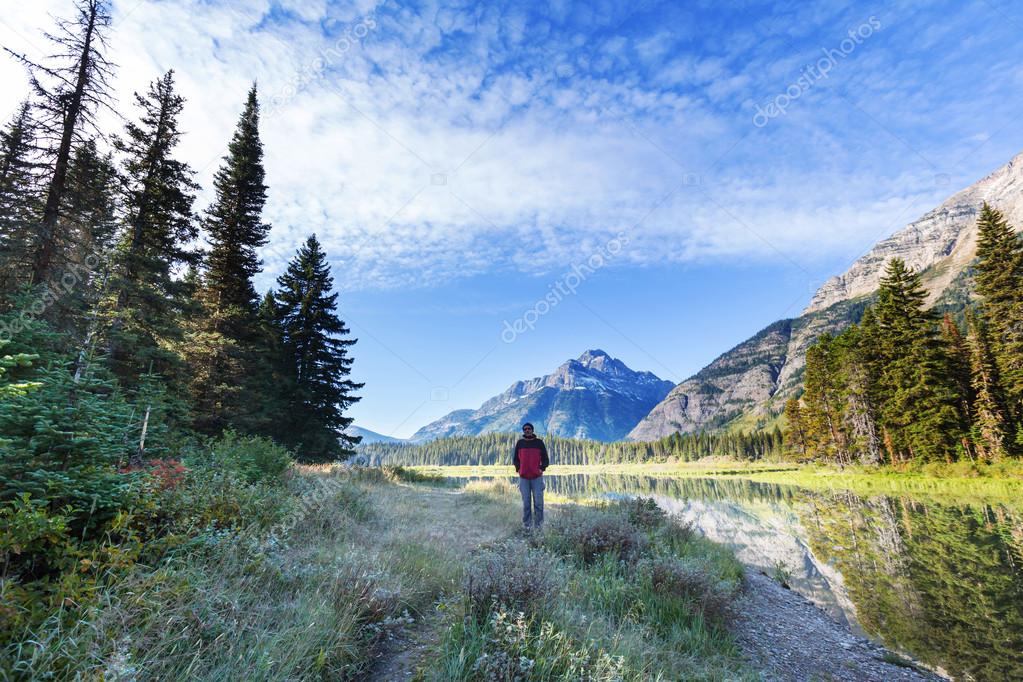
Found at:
(941, 582)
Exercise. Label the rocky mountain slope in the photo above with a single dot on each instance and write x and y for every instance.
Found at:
(594, 396)
(748, 383)
(943, 241)
(747, 386)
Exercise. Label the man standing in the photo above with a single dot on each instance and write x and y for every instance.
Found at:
(530, 460)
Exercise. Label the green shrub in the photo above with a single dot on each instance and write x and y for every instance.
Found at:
(604, 588)
(675, 535)
(32, 538)
(692, 582)
(513, 646)
(641, 511)
(589, 534)
(254, 458)
(398, 473)
(210, 498)
(34, 547)
(512, 575)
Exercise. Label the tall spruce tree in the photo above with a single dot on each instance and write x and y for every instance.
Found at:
(858, 375)
(917, 397)
(91, 205)
(235, 223)
(226, 349)
(68, 92)
(959, 361)
(158, 195)
(991, 431)
(90, 222)
(999, 280)
(275, 374)
(316, 353)
(19, 199)
(795, 437)
(822, 416)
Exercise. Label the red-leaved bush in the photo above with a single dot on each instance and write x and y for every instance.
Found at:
(169, 473)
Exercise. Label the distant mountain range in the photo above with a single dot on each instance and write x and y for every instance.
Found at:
(746, 387)
(370, 436)
(594, 396)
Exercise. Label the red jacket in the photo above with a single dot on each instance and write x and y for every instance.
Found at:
(530, 458)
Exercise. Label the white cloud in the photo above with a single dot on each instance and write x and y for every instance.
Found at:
(436, 140)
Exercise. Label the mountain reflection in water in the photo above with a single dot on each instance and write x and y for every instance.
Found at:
(943, 583)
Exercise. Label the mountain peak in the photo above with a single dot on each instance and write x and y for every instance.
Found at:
(595, 358)
(595, 396)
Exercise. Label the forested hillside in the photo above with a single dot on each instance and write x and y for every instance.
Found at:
(496, 448)
(905, 385)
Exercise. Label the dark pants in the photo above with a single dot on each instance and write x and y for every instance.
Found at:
(532, 488)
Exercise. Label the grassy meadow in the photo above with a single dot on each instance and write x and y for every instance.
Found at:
(317, 575)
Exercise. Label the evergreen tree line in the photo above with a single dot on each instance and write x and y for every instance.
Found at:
(904, 385)
(124, 336)
(496, 448)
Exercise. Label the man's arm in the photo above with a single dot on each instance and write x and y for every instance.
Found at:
(544, 460)
(515, 456)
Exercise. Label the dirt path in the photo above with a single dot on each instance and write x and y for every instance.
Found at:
(790, 639)
(444, 518)
(402, 657)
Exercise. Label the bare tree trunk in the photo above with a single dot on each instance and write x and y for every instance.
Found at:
(142, 438)
(42, 260)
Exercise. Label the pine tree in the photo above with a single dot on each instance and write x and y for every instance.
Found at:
(959, 356)
(158, 196)
(316, 351)
(796, 435)
(822, 417)
(858, 377)
(999, 279)
(235, 222)
(226, 352)
(276, 378)
(91, 203)
(991, 429)
(89, 223)
(71, 91)
(918, 403)
(19, 199)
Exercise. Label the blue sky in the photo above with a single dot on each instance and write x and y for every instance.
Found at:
(457, 160)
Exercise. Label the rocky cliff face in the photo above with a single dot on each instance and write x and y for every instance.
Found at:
(749, 384)
(595, 396)
(941, 242)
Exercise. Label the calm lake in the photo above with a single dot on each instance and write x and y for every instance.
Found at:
(942, 583)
